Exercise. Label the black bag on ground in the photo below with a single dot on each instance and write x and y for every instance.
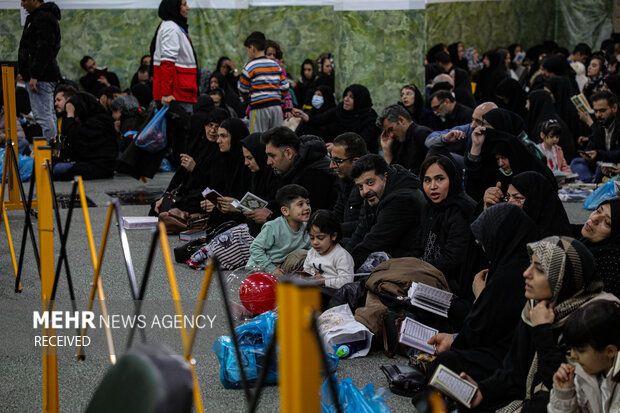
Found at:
(147, 379)
(353, 293)
(185, 251)
(404, 380)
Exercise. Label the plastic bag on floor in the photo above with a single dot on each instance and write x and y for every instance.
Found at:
(253, 339)
(602, 193)
(339, 328)
(354, 400)
(26, 164)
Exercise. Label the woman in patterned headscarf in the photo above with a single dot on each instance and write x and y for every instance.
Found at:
(560, 279)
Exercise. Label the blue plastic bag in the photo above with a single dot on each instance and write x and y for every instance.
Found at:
(153, 136)
(254, 338)
(26, 164)
(352, 400)
(602, 193)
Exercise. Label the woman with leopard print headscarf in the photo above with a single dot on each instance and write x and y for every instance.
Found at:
(560, 279)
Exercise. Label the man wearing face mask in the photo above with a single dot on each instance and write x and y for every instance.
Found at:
(314, 122)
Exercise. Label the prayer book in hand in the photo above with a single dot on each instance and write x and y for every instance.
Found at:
(249, 202)
(211, 195)
(453, 386)
(416, 335)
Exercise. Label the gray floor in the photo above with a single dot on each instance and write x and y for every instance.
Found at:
(21, 360)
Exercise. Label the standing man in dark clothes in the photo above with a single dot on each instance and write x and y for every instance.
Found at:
(347, 149)
(390, 217)
(37, 53)
(448, 112)
(302, 161)
(402, 140)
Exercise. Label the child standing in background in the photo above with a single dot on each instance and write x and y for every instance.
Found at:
(327, 260)
(263, 84)
(550, 132)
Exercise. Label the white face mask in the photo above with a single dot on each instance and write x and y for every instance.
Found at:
(317, 101)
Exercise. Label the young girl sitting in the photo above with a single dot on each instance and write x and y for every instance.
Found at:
(593, 335)
(550, 132)
(327, 260)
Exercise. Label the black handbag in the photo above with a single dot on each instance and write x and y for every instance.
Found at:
(404, 380)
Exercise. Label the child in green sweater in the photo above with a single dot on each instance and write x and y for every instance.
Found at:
(285, 234)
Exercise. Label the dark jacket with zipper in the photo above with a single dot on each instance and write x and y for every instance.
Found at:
(40, 44)
(392, 224)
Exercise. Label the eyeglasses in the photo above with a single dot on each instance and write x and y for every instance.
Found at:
(437, 106)
(339, 161)
(212, 125)
(517, 199)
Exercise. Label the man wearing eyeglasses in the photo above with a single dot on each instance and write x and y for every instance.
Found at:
(347, 149)
(448, 112)
(402, 139)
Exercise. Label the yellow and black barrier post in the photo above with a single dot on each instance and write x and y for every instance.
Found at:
(10, 122)
(188, 341)
(42, 157)
(300, 357)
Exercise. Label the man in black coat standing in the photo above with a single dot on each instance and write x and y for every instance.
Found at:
(390, 217)
(38, 67)
(302, 161)
(402, 140)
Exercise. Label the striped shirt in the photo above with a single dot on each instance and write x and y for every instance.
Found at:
(264, 80)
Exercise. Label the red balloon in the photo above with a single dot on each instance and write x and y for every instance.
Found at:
(258, 292)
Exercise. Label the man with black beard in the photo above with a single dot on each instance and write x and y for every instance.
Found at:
(390, 217)
(603, 145)
(88, 145)
(348, 148)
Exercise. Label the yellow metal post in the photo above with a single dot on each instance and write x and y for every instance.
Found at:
(299, 358)
(176, 297)
(42, 154)
(96, 285)
(10, 122)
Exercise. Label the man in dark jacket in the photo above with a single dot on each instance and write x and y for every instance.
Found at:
(96, 78)
(347, 149)
(448, 112)
(90, 148)
(604, 143)
(302, 161)
(37, 53)
(390, 217)
(402, 140)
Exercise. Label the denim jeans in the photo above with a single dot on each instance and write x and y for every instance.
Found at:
(42, 104)
(581, 168)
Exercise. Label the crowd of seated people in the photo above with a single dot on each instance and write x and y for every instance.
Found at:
(460, 173)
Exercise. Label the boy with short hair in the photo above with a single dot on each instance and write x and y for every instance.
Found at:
(263, 82)
(272, 248)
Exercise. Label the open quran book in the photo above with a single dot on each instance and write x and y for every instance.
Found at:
(450, 384)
